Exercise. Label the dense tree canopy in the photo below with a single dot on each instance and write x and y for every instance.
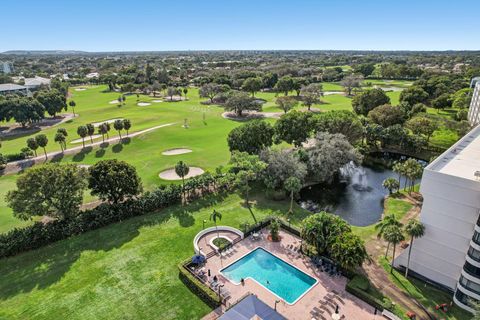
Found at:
(52, 190)
(251, 137)
(239, 102)
(387, 115)
(53, 101)
(413, 95)
(114, 180)
(368, 100)
(341, 121)
(294, 127)
(282, 165)
(329, 153)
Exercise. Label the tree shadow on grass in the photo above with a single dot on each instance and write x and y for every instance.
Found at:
(100, 153)
(43, 267)
(126, 141)
(57, 157)
(117, 148)
(81, 155)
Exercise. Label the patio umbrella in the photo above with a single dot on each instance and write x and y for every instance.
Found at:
(198, 259)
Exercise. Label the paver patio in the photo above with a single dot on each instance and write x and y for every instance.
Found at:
(322, 298)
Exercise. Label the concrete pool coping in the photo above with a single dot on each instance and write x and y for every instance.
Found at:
(253, 279)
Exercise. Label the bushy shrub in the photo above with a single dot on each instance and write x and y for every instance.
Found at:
(360, 287)
(197, 287)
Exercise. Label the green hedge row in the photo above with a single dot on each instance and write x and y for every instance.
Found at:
(196, 286)
(40, 234)
(360, 287)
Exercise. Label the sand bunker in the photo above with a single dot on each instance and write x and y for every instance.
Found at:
(173, 152)
(80, 89)
(143, 104)
(157, 101)
(114, 102)
(96, 124)
(87, 139)
(171, 175)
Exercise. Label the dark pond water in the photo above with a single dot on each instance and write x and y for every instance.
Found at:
(357, 195)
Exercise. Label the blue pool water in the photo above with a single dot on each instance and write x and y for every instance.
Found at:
(283, 279)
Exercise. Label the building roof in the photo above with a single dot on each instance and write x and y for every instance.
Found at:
(37, 81)
(462, 159)
(11, 87)
(251, 308)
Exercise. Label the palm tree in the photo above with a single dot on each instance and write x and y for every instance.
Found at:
(414, 229)
(182, 169)
(387, 221)
(72, 104)
(60, 139)
(90, 131)
(127, 124)
(102, 129)
(393, 234)
(118, 125)
(214, 217)
(292, 185)
(391, 184)
(82, 132)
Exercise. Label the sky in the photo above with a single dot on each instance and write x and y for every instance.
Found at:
(148, 25)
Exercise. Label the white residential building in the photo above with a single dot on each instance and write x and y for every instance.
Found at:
(34, 83)
(449, 252)
(6, 67)
(474, 110)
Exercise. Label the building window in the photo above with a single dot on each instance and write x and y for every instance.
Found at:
(465, 299)
(474, 254)
(471, 269)
(470, 285)
(476, 238)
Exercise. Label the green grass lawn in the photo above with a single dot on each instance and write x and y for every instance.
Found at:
(427, 295)
(127, 270)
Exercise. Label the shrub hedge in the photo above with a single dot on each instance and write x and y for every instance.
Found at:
(197, 287)
(40, 234)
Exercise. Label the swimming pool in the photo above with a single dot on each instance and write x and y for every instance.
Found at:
(281, 278)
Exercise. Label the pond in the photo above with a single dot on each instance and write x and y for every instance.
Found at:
(357, 195)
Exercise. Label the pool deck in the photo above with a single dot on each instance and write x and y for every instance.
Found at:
(318, 299)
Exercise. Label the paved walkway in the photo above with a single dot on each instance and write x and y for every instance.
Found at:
(379, 277)
(17, 166)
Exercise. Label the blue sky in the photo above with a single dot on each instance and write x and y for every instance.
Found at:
(107, 25)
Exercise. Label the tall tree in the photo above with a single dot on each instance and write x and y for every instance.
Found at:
(311, 94)
(53, 101)
(72, 104)
(286, 103)
(33, 145)
(214, 217)
(393, 235)
(211, 90)
(114, 180)
(247, 167)
(423, 125)
(414, 229)
(240, 102)
(118, 125)
(387, 115)
(391, 184)
(102, 129)
(82, 131)
(52, 190)
(292, 185)
(127, 124)
(285, 84)
(42, 142)
(251, 137)
(252, 85)
(350, 82)
(294, 127)
(340, 121)
(368, 100)
(90, 131)
(387, 221)
(349, 251)
(182, 169)
(60, 139)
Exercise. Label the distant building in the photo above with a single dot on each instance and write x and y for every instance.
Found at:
(474, 110)
(6, 67)
(35, 83)
(92, 75)
(449, 252)
(8, 88)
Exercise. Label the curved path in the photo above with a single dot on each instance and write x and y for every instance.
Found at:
(17, 166)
